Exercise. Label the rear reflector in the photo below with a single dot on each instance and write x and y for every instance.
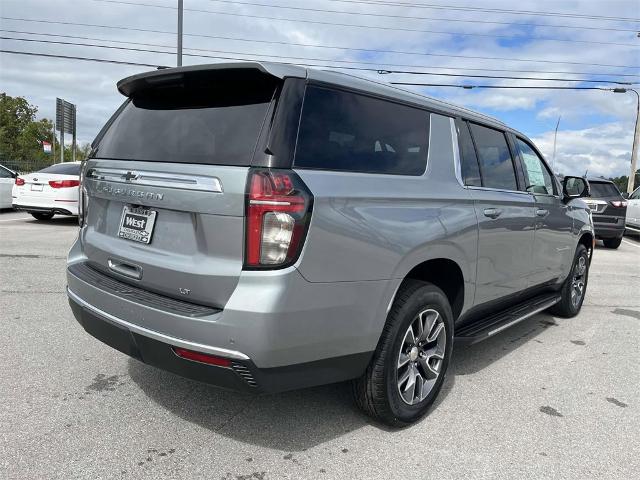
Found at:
(202, 357)
(19, 181)
(63, 183)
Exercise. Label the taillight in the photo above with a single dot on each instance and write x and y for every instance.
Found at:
(278, 212)
(63, 183)
(618, 203)
(19, 181)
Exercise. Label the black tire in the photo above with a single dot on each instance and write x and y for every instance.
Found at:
(377, 391)
(41, 215)
(566, 307)
(612, 242)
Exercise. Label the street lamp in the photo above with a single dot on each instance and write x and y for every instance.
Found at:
(636, 138)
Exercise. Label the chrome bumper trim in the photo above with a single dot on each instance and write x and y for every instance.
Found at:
(177, 342)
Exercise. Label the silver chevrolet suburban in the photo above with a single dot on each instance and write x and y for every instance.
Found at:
(265, 227)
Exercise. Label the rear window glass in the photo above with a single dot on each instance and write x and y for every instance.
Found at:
(496, 164)
(604, 189)
(215, 125)
(63, 169)
(355, 133)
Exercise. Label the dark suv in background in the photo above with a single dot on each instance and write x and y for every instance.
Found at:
(608, 209)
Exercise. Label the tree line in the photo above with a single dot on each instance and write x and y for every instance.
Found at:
(22, 136)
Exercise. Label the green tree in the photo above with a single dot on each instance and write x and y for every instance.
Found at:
(21, 135)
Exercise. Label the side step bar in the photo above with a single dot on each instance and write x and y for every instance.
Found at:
(489, 326)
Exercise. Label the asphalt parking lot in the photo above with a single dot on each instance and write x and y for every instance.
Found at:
(549, 398)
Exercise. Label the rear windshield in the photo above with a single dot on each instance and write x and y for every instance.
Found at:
(63, 169)
(603, 189)
(215, 125)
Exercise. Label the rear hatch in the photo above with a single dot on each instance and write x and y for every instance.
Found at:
(165, 186)
(606, 203)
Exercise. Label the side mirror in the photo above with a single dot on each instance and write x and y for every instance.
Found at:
(575, 187)
(625, 195)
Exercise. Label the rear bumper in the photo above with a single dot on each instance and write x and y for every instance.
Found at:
(287, 332)
(242, 375)
(62, 209)
(604, 230)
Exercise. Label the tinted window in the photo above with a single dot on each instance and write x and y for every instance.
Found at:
(604, 189)
(63, 169)
(4, 173)
(351, 132)
(468, 161)
(496, 164)
(537, 176)
(215, 126)
(635, 195)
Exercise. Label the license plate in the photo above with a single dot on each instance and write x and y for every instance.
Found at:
(137, 224)
(36, 188)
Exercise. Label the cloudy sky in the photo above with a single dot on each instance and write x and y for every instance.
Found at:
(565, 38)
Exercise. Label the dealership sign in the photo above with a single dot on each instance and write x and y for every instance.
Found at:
(46, 146)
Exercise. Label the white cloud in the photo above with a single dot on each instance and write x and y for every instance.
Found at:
(92, 85)
(603, 150)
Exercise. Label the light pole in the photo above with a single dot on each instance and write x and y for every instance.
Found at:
(636, 138)
(555, 138)
(180, 11)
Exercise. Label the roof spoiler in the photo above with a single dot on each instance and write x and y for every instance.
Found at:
(134, 84)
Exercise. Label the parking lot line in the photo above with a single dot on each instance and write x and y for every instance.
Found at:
(629, 243)
(15, 219)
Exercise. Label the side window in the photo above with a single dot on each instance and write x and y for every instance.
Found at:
(5, 173)
(350, 132)
(635, 195)
(469, 168)
(537, 176)
(495, 159)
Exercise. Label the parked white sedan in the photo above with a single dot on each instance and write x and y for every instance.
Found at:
(633, 212)
(6, 181)
(52, 190)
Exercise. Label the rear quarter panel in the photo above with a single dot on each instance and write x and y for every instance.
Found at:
(370, 227)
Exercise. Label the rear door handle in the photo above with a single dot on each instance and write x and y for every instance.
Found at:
(492, 212)
(131, 271)
(541, 212)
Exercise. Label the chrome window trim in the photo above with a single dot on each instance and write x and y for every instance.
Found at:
(472, 187)
(457, 166)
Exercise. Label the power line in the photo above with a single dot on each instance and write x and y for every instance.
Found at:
(443, 55)
(386, 15)
(377, 69)
(490, 10)
(86, 59)
(515, 87)
(353, 25)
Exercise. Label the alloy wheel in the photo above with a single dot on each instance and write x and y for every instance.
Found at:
(578, 281)
(421, 356)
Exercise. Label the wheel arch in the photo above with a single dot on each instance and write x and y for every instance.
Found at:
(445, 274)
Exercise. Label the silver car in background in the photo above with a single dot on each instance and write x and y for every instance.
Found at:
(266, 227)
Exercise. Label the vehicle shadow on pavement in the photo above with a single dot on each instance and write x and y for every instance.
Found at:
(298, 420)
(471, 359)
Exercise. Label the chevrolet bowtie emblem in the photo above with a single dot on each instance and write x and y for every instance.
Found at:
(130, 176)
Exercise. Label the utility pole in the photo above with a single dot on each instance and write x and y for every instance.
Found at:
(180, 13)
(636, 138)
(555, 138)
(634, 150)
(73, 151)
(62, 139)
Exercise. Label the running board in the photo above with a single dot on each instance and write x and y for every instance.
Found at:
(496, 323)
